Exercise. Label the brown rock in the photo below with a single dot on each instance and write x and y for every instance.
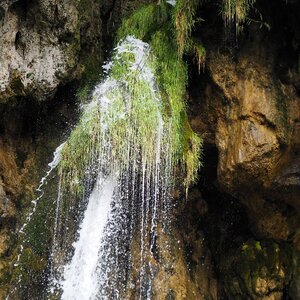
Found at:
(250, 134)
(253, 120)
(4, 242)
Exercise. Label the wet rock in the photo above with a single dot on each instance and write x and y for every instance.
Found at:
(253, 128)
(260, 270)
(185, 270)
(252, 118)
(4, 242)
(294, 290)
(7, 208)
(41, 43)
(288, 181)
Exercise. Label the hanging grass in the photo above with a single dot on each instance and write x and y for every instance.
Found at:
(144, 22)
(147, 92)
(199, 54)
(184, 19)
(169, 41)
(236, 12)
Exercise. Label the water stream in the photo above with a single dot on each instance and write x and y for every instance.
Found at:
(80, 276)
(127, 183)
(131, 194)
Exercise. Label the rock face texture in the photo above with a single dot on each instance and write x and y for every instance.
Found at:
(255, 136)
(29, 133)
(244, 229)
(44, 44)
(248, 108)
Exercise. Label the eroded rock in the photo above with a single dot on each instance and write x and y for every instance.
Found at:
(260, 271)
(253, 129)
(41, 43)
(252, 118)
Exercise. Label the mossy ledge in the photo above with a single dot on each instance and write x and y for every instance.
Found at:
(153, 24)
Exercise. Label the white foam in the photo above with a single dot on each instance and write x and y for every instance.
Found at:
(80, 276)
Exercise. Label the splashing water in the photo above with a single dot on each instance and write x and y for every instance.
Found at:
(120, 160)
(52, 165)
(80, 277)
(112, 222)
(133, 154)
(172, 2)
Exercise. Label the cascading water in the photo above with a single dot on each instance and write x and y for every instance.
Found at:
(132, 192)
(80, 276)
(116, 174)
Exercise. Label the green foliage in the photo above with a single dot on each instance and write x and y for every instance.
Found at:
(199, 54)
(130, 125)
(78, 151)
(184, 19)
(236, 11)
(169, 40)
(153, 24)
(144, 22)
(171, 71)
(172, 76)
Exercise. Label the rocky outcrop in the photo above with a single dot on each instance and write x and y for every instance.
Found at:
(255, 136)
(250, 110)
(259, 270)
(29, 134)
(44, 44)
(246, 105)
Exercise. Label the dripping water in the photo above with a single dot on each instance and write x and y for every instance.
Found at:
(52, 165)
(124, 207)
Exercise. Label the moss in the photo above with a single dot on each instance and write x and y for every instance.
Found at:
(79, 147)
(38, 232)
(257, 260)
(144, 22)
(199, 54)
(89, 67)
(89, 71)
(153, 24)
(31, 264)
(184, 19)
(171, 72)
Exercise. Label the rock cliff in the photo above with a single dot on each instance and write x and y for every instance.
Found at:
(239, 230)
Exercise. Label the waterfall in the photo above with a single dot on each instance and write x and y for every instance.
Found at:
(130, 153)
(80, 280)
(118, 166)
(112, 218)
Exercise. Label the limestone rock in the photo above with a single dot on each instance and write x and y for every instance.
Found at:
(252, 118)
(253, 130)
(40, 45)
(4, 242)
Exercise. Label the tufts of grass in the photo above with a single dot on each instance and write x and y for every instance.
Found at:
(236, 11)
(184, 20)
(141, 102)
